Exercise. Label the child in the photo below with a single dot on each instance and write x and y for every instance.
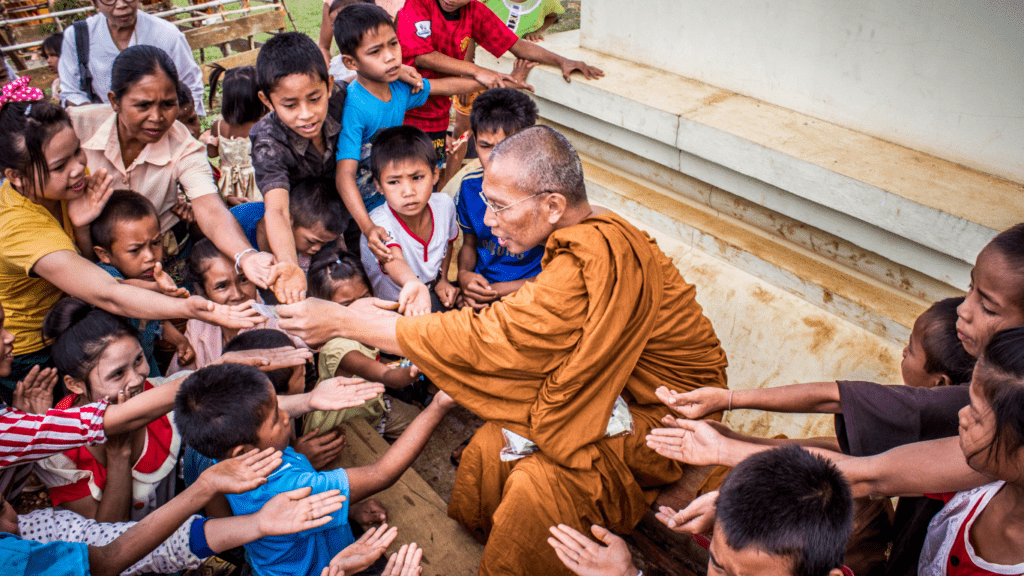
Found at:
(187, 114)
(328, 16)
(421, 225)
(528, 21)
(376, 100)
(228, 138)
(318, 218)
(127, 241)
(214, 275)
(783, 511)
(223, 410)
(487, 270)
(296, 140)
(101, 359)
(338, 276)
(435, 38)
(51, 51)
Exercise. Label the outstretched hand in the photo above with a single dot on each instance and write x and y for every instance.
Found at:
(691, 441)
(238, 316)
(694, 404)
(589, 72)
(257, 267)
(166, 284)
(340, 393)
(697, 518)
(34, 393)
(268, 359)
(288, 282)
(241, 473)
(405, 562)
(362, 553)
(587, 558)
(296, 511)
(414, 299)
(321, 449)
(313, 320)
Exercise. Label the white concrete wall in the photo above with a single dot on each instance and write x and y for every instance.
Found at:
(942, 76)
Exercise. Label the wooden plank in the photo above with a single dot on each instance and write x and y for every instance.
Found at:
(237, 28)
(420, 514)
(235, 60)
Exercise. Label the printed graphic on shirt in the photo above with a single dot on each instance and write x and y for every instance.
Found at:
(364, 177)
(423, 28)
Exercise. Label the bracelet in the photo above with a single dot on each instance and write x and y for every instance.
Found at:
(238, 257)
(730, 399)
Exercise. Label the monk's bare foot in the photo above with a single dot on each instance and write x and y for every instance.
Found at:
(368, 513)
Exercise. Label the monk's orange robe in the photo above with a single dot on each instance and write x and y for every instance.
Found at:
(609, 315)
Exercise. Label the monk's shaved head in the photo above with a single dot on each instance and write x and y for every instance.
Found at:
(544, 162)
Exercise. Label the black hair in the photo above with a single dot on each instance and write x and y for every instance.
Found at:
(195, 269)
(135, 63)
(185, 97)
(339, 4)
(316, 200)
(398, 144)
(546, 161)
(332, 264)
(286, 54)
(944, 353)
(240, 103)
(27, 128)
(1010, 243)
(123, 206)
(222, 406)
(78, 333)
(791, 503)
(1000, 377)
(265, 339)
(354, 21)
(502, 108)
(54, 43)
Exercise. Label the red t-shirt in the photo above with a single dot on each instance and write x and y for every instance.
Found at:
(423, 28)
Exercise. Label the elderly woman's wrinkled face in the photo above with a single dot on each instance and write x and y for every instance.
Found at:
(120, 14)
(147, 109)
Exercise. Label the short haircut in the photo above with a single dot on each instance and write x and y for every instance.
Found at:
(1000, 378)
(330, 265)
(316, 200)
(339, 4)
(54, 43)
(1010, 243)
(399, 144)
(353, 23)
(185, 97)
(547, 163)
(502, 108)
(123, 206)
(286, 54)
(790, 503)
(944, 353)
(221, 407)
(265, 339)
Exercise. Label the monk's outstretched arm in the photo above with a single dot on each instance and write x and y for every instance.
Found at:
(368, 321)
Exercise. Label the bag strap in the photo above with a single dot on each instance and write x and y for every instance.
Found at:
(82, 48)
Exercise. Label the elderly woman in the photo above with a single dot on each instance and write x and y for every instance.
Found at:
(138, 141)
(118, 25)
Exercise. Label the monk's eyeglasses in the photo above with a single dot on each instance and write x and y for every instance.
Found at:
(112, 2)
(495, 209)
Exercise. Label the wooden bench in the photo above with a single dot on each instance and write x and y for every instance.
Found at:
(232, 34)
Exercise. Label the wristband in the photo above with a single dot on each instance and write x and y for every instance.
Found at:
(238, 258)
(197, 539)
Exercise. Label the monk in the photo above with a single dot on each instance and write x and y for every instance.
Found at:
(608, 316)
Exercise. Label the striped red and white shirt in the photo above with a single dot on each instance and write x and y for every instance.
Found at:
(25, 437)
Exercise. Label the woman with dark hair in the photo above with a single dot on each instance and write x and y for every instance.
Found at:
(138, 141)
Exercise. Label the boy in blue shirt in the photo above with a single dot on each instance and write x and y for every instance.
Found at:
(487, 270)
(229, 409)
(368, 41)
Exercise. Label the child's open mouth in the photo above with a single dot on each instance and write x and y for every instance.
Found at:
(308, 127)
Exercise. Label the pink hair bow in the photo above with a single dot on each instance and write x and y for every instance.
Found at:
(19, 91)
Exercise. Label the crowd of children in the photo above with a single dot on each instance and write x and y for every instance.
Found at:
(146, 378)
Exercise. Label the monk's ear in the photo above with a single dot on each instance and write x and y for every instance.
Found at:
(555, 203)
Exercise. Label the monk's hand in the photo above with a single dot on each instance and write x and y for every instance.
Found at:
(476, 289)
(414, 299)
(690, 441)
(268, 359)
(588, 558)
(362, 553)
(321, 449)
(341, 393)
(238, 316)
(288, 282)
(297, 510)
(695, 404)
(446, 292)
(405, 562)
(697, 518)
(313, 320)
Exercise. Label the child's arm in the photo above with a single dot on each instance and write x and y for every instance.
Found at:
(368, 480)
(357, 364)
(184, 350)
(279, 226)
(438, 62)
(235, 475)
(476, 290)
(444, 289)
(538, 34)
(530, 51)
(326, 33)
(287, 513)
(212, 140)
(376, 236)
(117, 492)
(414, 299)
(333, 394)
(810, 398)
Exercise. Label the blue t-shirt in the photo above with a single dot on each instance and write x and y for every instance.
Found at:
(365, 115)
(248, 216)
(306, 552)
(493, 261)
(147, 335)
(30, 558)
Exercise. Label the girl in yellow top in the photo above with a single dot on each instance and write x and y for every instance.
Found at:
(47, 201)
